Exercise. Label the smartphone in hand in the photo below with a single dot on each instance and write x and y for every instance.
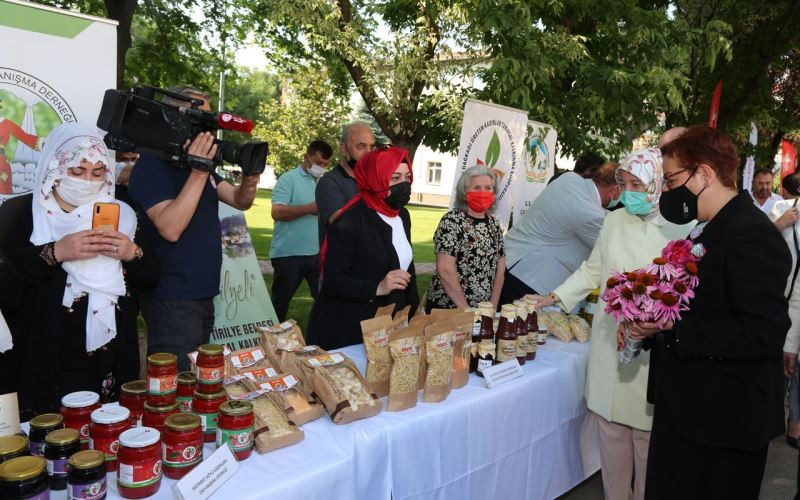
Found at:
(105, 216)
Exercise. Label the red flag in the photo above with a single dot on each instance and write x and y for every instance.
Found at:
(713, 114)
(788, 158)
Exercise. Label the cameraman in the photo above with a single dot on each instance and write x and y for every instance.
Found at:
(179, 215)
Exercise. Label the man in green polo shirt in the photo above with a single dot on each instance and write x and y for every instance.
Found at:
(295, 243)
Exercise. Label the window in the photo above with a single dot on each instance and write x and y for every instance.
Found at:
(434, 173)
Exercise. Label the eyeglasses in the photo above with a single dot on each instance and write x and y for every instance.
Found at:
(666, 182)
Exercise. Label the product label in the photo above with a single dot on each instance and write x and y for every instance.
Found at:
(209, 375)
(37, 448)
(247, 358)
(541, 337)
(380, 338)
(238, 440)
(139, 474)
(209, 422)
(84, 431)
(506, 350)
(162, 385)
(45, 495)
(108, 446)
(280, 384)
(326, 359)
(57, 467)
(260, 373)
(89, 491)
(532, 343)
(183, 455)
(476, 328)
(184, 404)
(483, 363)
(522, 345)
(590, 307)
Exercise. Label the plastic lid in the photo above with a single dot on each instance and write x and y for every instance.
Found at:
(110, 415)
(162, 359)
(46, 421)
(80, 399)
(186, 378)
(183, 422)
(137, 387)
(87, 459)
(10, 445)
(139, 437)
(236, 408)
(22, 468)
(61, 437)
(210, 349)
(211, 396)
(160, 409)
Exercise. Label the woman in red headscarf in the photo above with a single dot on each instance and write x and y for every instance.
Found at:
(367, 258)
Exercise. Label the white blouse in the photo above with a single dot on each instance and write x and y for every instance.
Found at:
(399, 241)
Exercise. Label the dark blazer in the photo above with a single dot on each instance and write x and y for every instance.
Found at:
(716, 380)
(359, 255)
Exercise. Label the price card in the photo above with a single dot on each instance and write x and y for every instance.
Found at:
(208, 476)
(502, 373)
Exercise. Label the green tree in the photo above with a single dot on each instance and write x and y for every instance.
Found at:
(308, 110)
(247, 89)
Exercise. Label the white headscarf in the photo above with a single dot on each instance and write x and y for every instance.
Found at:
(100, 277)
(646, 165)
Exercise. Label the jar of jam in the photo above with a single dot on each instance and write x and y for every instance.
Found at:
(210, 368)
(139, 473)
(132, 396)
(541, 336)
(522, 330)
(154, 416)
(107, 424)
(486, 356)
(206, 406)
(507, 334)
(533, 329)
(187, 383)
(41, 426)
(86, 476)
(162, 378)
(24, 477)
(59, 445)
(13, 447)
(77, 408)
(235, 428)
(182, 444)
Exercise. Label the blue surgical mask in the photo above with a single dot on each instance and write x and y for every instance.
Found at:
(613, 203)
(636, 203)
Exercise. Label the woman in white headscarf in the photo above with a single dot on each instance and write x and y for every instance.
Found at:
(64, 287)
(616, 394)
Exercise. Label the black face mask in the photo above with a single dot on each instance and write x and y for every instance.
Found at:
(679, 205)
(351, 162)
(399, 195)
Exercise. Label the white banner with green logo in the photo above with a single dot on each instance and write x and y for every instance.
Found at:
(539, 161)
(54, 69)
(494, 136)
(243, 302)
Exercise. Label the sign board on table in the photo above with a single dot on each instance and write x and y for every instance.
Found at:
(502, 373)
(208, 476)
(45, 81)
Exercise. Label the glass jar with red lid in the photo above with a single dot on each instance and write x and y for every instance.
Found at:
(182, 447)
(235, 427)
(154, 416)
(139, 473)
(206, 406)
(210, 368)
(107, 424)
(162, 378)
(132, 396)
(77, 408)
(187, 384)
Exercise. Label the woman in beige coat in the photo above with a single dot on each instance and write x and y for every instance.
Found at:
(616, 393)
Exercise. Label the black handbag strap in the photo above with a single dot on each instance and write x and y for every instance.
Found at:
(796, 254)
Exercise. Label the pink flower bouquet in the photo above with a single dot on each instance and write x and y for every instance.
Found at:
(657, 293)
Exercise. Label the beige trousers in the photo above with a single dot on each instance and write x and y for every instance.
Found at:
(623, 453)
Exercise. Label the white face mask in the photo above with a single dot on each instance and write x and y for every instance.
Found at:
(78, 192)
(316, 170)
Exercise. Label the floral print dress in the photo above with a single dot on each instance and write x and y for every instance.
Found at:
(477, 245)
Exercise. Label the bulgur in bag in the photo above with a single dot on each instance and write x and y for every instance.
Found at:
(375, 332)
(421, 322)
(273, 428)
(439, 358)
(580, 328)
(299, 406)
(405, 346)
(463, 324)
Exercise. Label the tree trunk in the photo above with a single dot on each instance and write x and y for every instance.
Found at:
(122, 11)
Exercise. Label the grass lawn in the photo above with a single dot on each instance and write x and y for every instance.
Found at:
(423, 224)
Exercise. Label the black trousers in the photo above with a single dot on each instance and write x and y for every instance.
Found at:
(289, 272)
(177, 326)
(513, 289)
(679, 469)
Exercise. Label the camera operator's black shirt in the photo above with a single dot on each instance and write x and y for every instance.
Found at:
(190, 267)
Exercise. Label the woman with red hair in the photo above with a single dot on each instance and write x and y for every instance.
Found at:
(366, 259)
(716, 374)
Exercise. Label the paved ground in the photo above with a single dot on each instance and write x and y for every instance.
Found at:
(779, 477)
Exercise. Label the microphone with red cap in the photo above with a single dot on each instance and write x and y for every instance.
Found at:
(224, 120)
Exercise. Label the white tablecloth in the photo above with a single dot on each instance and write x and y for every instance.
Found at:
(526, 439)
